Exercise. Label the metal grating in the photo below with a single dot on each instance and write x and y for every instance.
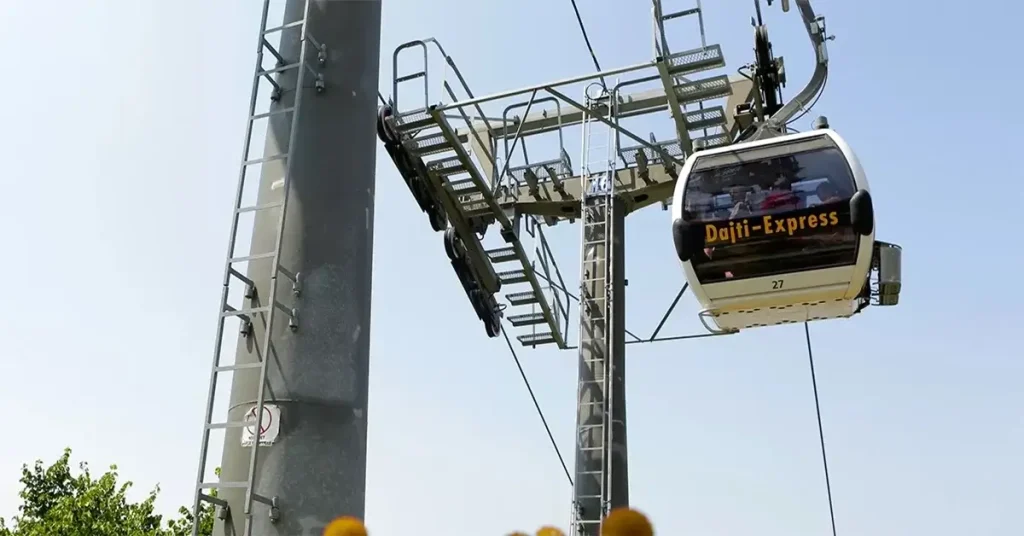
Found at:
(696, 60)
(706, 118)
(702, 90)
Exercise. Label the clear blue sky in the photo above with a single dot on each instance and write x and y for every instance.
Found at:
(122, 131)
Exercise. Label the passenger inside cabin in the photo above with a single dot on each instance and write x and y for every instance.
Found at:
(827, 193)
(739, 196)
(781, 196)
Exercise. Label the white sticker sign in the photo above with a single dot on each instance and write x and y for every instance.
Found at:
(270, 425)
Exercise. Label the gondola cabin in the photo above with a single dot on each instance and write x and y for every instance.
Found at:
(775, 231)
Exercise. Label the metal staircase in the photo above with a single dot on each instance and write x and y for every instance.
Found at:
(259, 306)
(594, 395)
(674, 68)
(442, 157)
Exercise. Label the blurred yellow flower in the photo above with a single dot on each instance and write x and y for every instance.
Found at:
(550, 531)
(345, 526)
(626, 522)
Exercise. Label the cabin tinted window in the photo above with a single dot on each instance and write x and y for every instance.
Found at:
(770, 216)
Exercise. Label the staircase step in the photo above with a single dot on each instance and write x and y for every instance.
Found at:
(512, 276)
(530, 319)
(522, 298)
(702, 90)
(504, 254)
(706, 118)
(446, 167)
(714, 140)
(536, 339)
(696, 60)
(413, 121)
(462, 186)
(428, 145)
(476, 207)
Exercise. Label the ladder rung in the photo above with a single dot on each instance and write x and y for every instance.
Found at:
(265, 159)
(284, 26)
(268, 72)
(214, 500)
(228, 424)
(223, 485)
(243, 366)
(590, 449)
(412, 76)
(264, 206)
(271, 113)
(252, 257)
(683, 13)
(589, 472)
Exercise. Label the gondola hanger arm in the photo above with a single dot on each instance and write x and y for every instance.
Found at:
(816, 32)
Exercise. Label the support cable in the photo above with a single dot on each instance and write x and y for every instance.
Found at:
(583, 29)
(821, 433)
(536, 405)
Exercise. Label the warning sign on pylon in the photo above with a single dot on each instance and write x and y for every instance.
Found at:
(270, 425)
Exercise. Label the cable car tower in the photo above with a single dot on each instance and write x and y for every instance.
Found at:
(466, 163)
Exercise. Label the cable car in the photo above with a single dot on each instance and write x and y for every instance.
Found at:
(775, 231)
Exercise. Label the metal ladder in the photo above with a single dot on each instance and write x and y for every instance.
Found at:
(661, 41)
(662, 48)
(598, 197)
(266, 307)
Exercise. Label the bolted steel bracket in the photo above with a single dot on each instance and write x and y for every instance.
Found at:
(246, 328)
(321, 56)
(275, 511)
(297, 284)
(319, 85)
(293, 321)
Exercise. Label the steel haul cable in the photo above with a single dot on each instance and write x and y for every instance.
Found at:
(586, 39)
(821, 432)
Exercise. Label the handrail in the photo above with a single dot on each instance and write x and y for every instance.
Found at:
(549, 85)
(505, 123)
(426, 87)
(473, 131)
(561, 282)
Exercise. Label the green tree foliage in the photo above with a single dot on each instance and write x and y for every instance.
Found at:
(56, 502)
